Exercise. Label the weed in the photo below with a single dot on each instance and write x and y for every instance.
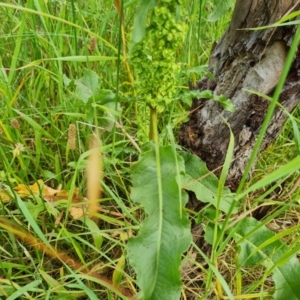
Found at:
(66, 79)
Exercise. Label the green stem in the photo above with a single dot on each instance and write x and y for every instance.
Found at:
(153, 134)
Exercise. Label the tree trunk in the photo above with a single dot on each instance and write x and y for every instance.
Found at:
(244, 59)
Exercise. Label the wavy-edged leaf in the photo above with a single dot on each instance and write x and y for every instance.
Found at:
(260, 245)
(204, 184)
(155, 253)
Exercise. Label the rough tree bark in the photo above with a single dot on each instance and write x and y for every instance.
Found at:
(244, 59)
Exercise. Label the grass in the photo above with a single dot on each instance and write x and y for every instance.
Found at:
(42, 59)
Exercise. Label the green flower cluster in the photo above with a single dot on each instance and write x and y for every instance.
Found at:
(153, 58)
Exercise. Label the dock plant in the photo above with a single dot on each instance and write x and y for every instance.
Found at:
(97, 194)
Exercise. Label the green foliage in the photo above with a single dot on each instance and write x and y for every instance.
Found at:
(221, 9)
(139, 26)
(87, 89)
(154, 58)
(143, 123)
(208, 94)
(259, 245)
(165, 234)
(66, 63)
(204, 184)
(275, 99)
(86, 86)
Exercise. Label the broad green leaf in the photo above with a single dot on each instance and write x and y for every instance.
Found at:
(155, 253)
(83, 92)
(86, 86)
(222, 8)
(204, 184)
(260, 245)
(209, 230)
(66, 80)
(105, 96)
(226, 103)
(139, 24)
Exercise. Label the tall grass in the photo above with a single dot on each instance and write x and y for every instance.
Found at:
(47, 52)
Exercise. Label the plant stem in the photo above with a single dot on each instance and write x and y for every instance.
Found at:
(153, 134)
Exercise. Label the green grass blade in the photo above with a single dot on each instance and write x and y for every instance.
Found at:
(80, 58)
(53, 284)
(264, 127)
(28, 287)
(290, 116)
(39, 13)
(216, 272)
(34, 124)
(23, 208)
(16, 53)
(287, 169)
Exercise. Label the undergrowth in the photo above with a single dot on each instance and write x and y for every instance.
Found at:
(73, 226)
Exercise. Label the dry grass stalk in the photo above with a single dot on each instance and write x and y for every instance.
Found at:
(15, 124)
(93, 44)
(94, 173)
(72, 137)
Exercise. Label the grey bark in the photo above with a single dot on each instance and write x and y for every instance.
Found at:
(244, 60)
